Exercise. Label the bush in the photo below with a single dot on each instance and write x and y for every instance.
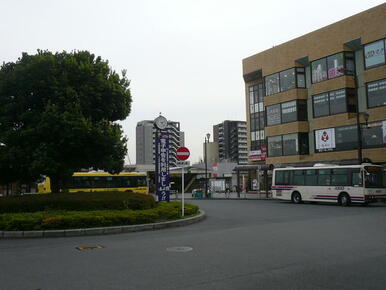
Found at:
(85, 219)
(76, 201)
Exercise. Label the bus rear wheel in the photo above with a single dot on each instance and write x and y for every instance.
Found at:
(344, 199)
(296, 197)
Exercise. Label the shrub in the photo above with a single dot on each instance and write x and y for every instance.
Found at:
(97, 218)
(76, 201)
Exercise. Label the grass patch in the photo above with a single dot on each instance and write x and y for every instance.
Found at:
(62, 219)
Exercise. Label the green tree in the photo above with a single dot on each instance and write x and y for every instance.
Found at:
(57, 115)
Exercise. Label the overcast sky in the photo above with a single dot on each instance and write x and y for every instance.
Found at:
(183, 57)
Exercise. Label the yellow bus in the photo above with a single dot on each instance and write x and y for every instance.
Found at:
(102, 181)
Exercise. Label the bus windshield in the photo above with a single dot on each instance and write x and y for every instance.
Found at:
(374, 177)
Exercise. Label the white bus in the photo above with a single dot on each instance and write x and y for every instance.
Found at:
(330, 183)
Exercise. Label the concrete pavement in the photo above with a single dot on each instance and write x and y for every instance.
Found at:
(242, 244)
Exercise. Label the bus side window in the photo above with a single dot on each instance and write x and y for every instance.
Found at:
(99, 182)
(125, 181)
(133, 181)
(311, 177)
(298, 177)
(109, 182)
(142, 181)
(339, 177)
(283, 177)
(324, 177)
(287, 177)
(356, 177)
(279, 177)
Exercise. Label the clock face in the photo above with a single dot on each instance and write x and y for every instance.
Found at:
(161, 122)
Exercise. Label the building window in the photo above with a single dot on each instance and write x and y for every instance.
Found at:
(319, 70)
(374, 135)
(262, 120)
(374, 53)
(287, 112)
(257, 114)
(350, 63)
(376, 93)
(300, 77)
(338, 102)
(273, 115)
(272, 84)
(303, 144)
(321, 105)
(333, 66)
(275, 147)
(290, 144)
(346, 138)
(285, 80)
(334, 102)
(336, 139)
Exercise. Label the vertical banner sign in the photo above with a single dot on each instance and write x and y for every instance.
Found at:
(162, 165)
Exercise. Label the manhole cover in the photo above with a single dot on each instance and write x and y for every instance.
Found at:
(179, 249)
(89, 247)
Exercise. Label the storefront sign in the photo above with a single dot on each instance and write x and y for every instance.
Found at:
(258, 155)
(325, 139)
(215, 169)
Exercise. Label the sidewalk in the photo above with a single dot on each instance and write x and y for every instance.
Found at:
(232, 195)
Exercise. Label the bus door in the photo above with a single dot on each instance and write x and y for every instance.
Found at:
(357, 177)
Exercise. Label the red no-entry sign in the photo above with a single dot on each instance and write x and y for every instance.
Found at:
(183, 153)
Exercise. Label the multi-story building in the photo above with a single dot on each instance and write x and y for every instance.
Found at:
(231, 137)
(145, 142)
(320, 97)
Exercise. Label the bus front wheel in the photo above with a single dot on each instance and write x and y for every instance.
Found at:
(296, 197)
(344, 199)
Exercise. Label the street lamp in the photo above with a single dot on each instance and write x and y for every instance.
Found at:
(366, 117)
(206, 164)
(357, 113)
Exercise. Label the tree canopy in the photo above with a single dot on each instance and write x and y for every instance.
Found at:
(57, 116)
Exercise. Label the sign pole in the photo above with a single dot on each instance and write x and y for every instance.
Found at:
(183, 191)
(182, 154)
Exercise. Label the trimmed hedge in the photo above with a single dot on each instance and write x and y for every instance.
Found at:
(81, 201)
(55, 220)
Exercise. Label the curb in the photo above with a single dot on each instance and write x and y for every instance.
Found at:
(102, 230)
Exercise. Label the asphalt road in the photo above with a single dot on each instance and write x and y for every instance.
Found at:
(243, 244)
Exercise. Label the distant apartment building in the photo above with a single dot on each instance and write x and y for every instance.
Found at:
(320, 97)
(145, 142)
(231, 137)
